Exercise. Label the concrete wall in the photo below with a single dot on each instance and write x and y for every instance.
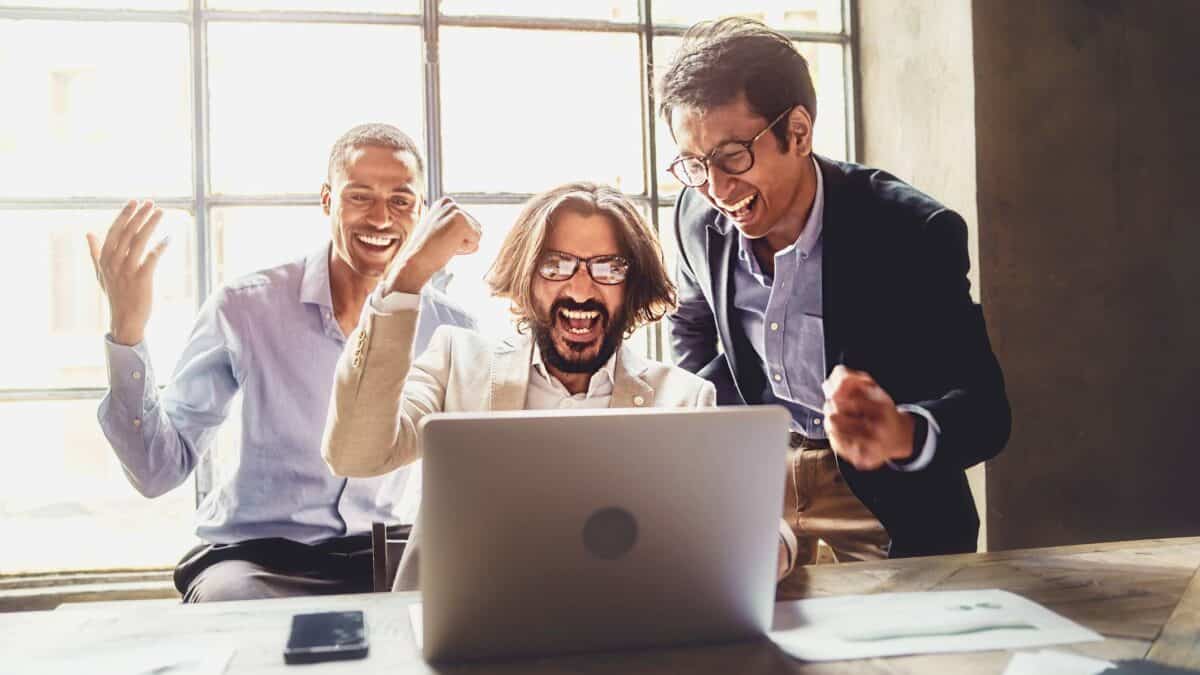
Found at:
(1088, 149)
(918, 112)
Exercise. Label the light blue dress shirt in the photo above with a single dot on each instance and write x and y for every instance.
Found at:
(783, 316)
(271, 336)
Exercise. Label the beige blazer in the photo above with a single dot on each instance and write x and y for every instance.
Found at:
(460, 371)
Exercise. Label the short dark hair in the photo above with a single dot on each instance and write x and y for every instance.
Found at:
(375, 134)
(724, 58)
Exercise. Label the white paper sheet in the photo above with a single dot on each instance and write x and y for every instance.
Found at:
(168, 657)
(416, 619)
(892, 624)
(1050, 662)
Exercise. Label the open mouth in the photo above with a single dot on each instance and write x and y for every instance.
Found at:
(579, 325)
(376, 243)
(742, 210)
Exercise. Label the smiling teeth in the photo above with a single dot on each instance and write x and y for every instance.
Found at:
(571, 314)
(738, 206)
(376, 241)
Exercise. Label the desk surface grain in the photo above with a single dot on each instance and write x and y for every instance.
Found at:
(1143, 596)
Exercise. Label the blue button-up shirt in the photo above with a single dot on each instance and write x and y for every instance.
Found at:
(272, 337)
(782, 315)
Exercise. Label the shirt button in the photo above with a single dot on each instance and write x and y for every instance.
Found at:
(638, 400)
(817, 422)
(774, 326)
(778, 377)
(137, 421)
(804, 256)
(137, 375)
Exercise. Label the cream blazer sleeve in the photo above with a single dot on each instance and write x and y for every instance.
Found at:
(380, 395)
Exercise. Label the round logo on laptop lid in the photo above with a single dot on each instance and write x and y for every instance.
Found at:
(610, 533)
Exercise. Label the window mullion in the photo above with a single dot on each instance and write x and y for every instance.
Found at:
(430, 22)
(201, 181)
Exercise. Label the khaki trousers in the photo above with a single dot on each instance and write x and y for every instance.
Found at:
(819, 506)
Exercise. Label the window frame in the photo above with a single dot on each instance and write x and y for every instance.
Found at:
(202, 202)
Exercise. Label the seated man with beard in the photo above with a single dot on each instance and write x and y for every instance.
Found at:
(582, 270)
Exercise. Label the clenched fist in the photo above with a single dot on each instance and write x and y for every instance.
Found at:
(862, 421)
(125, 269)
(446, 231)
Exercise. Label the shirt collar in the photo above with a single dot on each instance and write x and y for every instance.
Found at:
(809, 236)
(605, 375)
(314, 287)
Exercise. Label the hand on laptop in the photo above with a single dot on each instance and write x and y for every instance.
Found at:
(446, 231)
(862, 421)
(125, 269)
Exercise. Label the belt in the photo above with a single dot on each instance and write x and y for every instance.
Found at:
(798, 441)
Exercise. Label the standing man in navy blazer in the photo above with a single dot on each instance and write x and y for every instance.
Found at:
(832, 289)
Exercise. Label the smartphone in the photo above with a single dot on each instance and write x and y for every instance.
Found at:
(326, 636)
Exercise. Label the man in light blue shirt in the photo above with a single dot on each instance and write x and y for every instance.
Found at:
(278, 522)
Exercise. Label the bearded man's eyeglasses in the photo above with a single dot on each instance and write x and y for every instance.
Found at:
(604, 269)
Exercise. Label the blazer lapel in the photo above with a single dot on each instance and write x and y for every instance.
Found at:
(834, 284)
(510, 373)
(628, 385)
(743, 362)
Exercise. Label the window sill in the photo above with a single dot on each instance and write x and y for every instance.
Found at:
(28, 592)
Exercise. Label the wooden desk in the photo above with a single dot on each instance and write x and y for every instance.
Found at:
(1143, 596)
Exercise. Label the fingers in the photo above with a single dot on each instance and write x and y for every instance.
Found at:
(471, 240)
(856, 409)
(134, 224)
(138, 244)
(854, 392)
(115, 231)
(94, 250)
(154, 255)
(853, 439)
(93, 243)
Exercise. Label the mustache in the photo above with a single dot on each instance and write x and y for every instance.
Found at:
(571, 305)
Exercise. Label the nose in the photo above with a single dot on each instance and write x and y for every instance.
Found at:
(378, 214)
(720, 185)
(581, 287)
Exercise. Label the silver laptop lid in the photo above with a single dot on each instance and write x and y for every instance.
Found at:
(550, 532)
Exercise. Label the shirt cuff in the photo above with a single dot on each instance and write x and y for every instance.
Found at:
(130, 375)
(393, 302)
(925, 455)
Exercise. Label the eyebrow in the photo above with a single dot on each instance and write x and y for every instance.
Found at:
(715, 146)
(362, 186)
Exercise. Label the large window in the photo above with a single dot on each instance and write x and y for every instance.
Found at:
(223, 112)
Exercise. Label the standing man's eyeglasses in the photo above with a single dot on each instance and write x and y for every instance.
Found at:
(731, 157)
(605, 269)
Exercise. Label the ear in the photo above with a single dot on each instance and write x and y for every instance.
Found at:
(800, 125)
(326, 198)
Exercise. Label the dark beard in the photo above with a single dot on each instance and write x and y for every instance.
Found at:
(542, 334)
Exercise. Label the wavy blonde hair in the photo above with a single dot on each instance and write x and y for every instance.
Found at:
(649, 293)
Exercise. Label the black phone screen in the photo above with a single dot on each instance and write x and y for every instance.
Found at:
(326, 636)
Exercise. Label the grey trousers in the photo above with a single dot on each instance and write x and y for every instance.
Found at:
(276, 568)
(245, 580)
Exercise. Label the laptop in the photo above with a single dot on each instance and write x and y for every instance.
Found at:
(548, 532)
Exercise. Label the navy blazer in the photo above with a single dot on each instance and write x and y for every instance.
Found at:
(896, 304)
